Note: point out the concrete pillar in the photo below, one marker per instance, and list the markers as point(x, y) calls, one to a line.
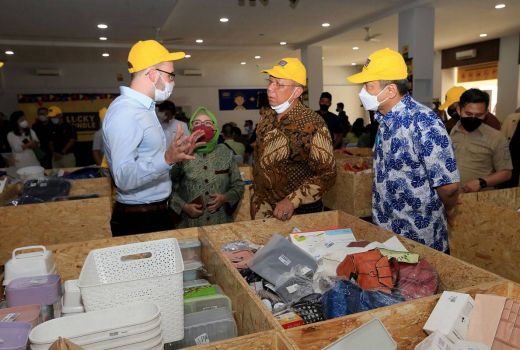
point(416, 32)
point(507, 85)
point(312, 59)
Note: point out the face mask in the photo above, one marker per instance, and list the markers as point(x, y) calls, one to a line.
point(470, 123)
point(55, 121)
point(452, 112)
point(324, 108)
point(248, 129)
point(24, 124)
point(42, 117)
point(370, 102)
point(162, 95)
point(161, 116)
point(284, 106)
point(209, 132)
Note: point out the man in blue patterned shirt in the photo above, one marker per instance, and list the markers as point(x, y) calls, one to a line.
point(416, 179)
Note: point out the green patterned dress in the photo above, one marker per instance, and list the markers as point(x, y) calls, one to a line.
point(214, 172)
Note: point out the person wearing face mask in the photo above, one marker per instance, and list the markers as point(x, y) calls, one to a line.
point(138, 156)
point(294, 159)
point(206, 190)
point(63, 139)
point(166, 113)
point(23, 141)
point(43, 129)
point(333, 122)
point(450, 106)
point(482, 152)
point(416, 180)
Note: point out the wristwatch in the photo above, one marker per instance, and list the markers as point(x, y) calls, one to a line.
point(483, 183)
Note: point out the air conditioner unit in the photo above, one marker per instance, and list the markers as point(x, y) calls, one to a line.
point(192, 72)
point(466, 54)
point(48, 72)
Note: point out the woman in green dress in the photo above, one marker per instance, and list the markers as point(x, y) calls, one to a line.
point(208, 188)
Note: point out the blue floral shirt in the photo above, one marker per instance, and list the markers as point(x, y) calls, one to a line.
point(413, 156)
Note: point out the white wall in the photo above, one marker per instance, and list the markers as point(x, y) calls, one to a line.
point(335, 82)
point(437, 76)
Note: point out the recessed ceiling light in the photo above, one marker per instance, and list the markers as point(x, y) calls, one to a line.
point(105, 54)
point(258, 57)
point(325, 24)
point(500, 6)
point(354, 63)
point(102, 26)
point(224, 20)
point(483, 35)
point(283, 43)
point(187, 56)
point(103, 38)
point(355, 48)
point(9, 52)
point(199, 41)
point(242, 63)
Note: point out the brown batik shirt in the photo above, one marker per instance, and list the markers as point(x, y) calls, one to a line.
point(294, 159)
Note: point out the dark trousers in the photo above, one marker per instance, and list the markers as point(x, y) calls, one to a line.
point(315, 207)
point(129, 219)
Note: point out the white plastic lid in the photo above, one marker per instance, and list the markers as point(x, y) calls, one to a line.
point(189, 243)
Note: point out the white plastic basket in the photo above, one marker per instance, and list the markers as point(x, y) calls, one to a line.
point(135, 273)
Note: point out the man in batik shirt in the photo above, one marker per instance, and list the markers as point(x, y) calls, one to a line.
point(416, 179)
point(294, 160)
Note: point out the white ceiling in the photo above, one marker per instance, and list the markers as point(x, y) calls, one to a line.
point(63, 31)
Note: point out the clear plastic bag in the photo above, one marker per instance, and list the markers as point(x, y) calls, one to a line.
point(295, 284)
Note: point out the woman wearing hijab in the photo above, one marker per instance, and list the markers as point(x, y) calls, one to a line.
point(23, 141)
point(207, 189)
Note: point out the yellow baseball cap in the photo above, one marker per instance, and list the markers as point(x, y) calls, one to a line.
point(289, 68)
point(147, 53)
point(1, 64)
point(384, 64)
point(102, 113)
point(54, 111)
point(452, 95)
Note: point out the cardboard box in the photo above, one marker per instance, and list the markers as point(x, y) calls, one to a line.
point(451, 316)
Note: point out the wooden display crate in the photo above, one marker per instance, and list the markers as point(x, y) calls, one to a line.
point(270, 340)
point(403, 321)
point(506, 198)
point(52, 223)
point(454, 274)
point(102, 186)
point(70, 257)
point(487, 236)
point(242, 213)
point(352, 192)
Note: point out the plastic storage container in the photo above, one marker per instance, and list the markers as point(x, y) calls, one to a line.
point(190, 249)
point(279, 256)
point(207, 326)
point(25, 313)
point(14, 335)
point(71, 301)
point(37, 263)
point(208, 302)
point(30, 172)
point(135, 273)
point(196, 283)
point(119, 327)
point(42, 290)
point(370, 336)
point(192, 271)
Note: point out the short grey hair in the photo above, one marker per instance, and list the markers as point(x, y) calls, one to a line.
point(402, 85)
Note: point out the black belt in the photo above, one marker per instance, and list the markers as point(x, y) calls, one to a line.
point(141, 208)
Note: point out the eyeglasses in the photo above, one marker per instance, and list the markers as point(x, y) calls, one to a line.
point(171, 75)
point(206, 123)
point(276, 84)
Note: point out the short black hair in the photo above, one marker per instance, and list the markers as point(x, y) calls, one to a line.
point(474, 96)
point(402, 85)
point(326, 94)
point(340, 104)
point(167, 106)
point(227, 130)
point(13, 120)
point(249, 121)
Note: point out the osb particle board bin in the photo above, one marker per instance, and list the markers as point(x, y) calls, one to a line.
point(71, 256)
point(270, 340)
point(352, 192)
point(242, 212)
point(403, 321)
point(487, 236)
point(53, 223)
point(454, 273)
point(101, 186)
point(506, 198)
